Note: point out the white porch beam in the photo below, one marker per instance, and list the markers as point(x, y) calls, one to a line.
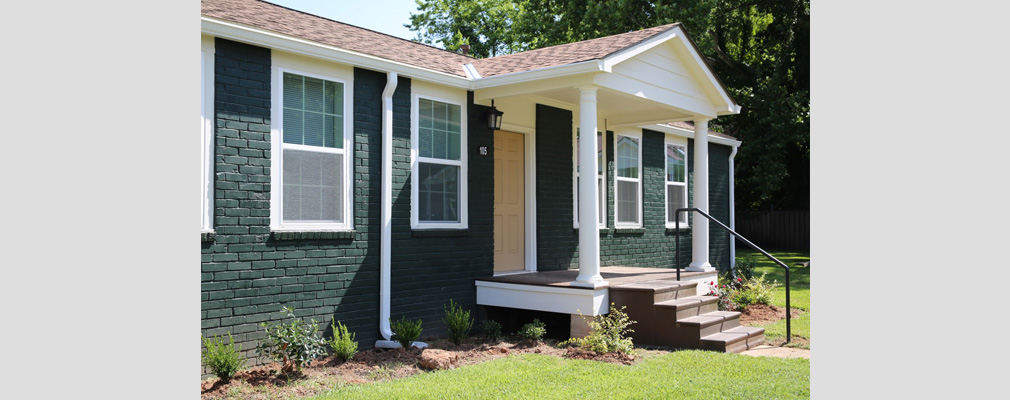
point(699, 224)
point(589, 233)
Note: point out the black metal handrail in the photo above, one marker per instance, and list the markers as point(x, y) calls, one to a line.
point(789, 334)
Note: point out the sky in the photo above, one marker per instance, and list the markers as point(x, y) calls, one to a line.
point(386, 16)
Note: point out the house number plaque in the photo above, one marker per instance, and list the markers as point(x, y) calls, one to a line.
point(482, 150)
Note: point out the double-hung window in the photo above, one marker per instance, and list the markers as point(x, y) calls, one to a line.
point(600, 182)
point(628, 180)
point(312, 154)
point(439, 168)
point(676, 183)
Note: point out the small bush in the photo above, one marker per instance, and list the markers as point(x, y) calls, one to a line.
point(754, 291)
point(458, 322)
point(293, 344)
point(222, 359)
point(343, 343)
point(405, 332)
point(492, 329)
point(607, 333)
point(533, 331)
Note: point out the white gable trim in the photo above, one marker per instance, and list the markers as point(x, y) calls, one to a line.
point(678, 34)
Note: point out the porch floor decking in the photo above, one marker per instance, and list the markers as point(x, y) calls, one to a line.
point(613, 275)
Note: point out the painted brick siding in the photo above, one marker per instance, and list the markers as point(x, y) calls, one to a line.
point(431, 267)
point(557, 243)
point(247, 274)
point(653, 245)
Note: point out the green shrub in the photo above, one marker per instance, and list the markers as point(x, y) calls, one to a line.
point(343, 343)
point(492, 329)
point(744, 268)
point(222, 359)
point(405, 332)
point(754, 291)
point(293, 343)
point(534, 330)
point(458, 322)
point(607, 333)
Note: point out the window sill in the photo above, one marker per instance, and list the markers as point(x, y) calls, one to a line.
point(307, 234)
point(629, 231)
point(672, 229)
point(423, 233)
point(604, 231)
point(207, 236)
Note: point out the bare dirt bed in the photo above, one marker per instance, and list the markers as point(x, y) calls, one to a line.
point(761, 314)
point(377, 365)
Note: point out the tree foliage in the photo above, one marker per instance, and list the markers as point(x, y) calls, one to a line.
point(759, 48)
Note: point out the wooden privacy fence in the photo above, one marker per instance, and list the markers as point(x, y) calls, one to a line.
point(784, 230)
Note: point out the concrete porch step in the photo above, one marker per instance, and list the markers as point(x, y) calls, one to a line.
point(734, 340)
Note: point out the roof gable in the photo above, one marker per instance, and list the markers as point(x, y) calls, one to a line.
point(593, 49)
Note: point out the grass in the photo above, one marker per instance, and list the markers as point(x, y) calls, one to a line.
point(688, 374)
point(799, 294)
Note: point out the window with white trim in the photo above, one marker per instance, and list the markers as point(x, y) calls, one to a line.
point(601, 186)
point(206, 137)
point(311, 157)
point(439, 167)
point(676, 183)
point(628, 181)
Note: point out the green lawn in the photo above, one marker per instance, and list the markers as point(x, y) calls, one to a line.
point(690, 374)
point(799, 294)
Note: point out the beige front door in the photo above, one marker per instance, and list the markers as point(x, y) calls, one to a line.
point(509, 202)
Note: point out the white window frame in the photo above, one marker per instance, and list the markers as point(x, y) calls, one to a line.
point(672, 140)
point(207, 135)
point(601, 180)
point(416, 159)
point(277, 149)
point(637, 135)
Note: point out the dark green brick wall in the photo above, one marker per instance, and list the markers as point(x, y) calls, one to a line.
point(248, 274)
point(653, 245)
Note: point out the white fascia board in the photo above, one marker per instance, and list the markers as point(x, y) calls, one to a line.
point(539, 74)
point(274, 40)
point(673, 130)
point(563, 300)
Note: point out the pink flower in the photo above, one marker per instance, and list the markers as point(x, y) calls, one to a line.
point(739, 279)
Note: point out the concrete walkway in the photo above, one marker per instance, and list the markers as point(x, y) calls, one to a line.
point(782, 352)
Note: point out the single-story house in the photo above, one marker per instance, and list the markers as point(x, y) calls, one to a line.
point(355, 176)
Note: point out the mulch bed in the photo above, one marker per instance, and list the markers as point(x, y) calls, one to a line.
point(761, 314)
point(377, 365)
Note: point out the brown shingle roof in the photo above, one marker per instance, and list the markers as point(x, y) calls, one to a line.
point(563, 54)
point(283, 20)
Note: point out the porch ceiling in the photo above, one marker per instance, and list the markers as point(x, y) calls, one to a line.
point(618, 107)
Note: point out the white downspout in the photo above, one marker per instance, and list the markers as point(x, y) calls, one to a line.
point(385, 254)
point(732, 210)
point(385, 241)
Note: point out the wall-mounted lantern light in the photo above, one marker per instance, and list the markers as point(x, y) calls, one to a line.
point(494, 117)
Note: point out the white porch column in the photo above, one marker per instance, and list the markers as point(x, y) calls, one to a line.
point(589, 234)
point(699, 227)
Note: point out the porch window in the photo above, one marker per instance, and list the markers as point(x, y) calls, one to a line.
point(312, 157)
point(676, 183)
point(600, 182)
point(439, 168)
point(628, 185)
